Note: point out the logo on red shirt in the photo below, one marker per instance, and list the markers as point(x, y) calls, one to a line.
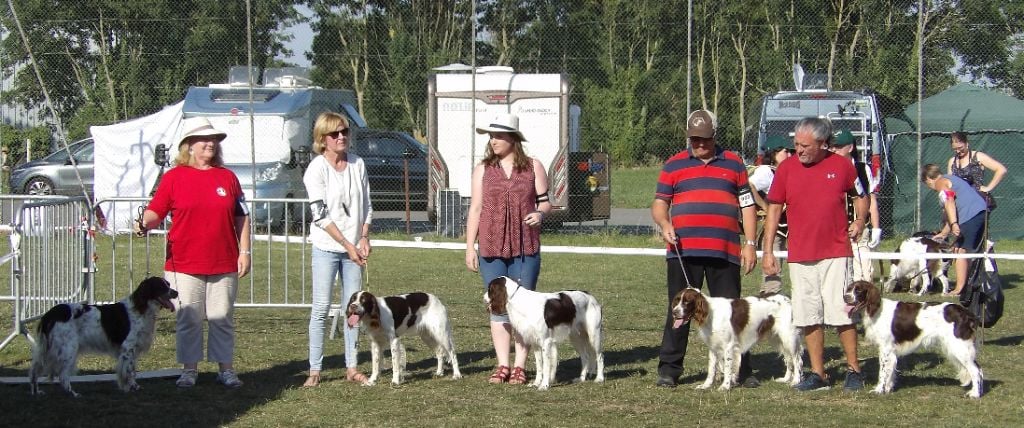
point(221, 192)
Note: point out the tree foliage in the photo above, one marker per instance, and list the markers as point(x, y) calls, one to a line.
point(106, 60)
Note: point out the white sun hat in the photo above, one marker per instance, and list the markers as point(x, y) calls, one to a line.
point(503, 123)
point(199, 126)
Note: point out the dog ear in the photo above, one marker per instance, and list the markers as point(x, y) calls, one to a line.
point(369, 303)
point(497, 294)
point(149, 289)
point(873, 298)
point(700, 308)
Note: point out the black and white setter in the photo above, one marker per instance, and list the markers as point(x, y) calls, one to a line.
point(386, 319)
point(915, 270)
point(731, 327)
point(543, 320)
point(122, 330)
point(899, 328)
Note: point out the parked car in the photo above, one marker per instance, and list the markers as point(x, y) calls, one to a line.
point(54, 174)
point(384, 153)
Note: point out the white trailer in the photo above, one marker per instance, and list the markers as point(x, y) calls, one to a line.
point(579, 182)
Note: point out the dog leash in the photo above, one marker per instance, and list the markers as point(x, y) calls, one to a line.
point(682, 267)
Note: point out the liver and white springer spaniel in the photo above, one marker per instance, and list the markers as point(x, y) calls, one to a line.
point(386, 319)
point(917, 271)
point(545, 319)
point(731, 327)
point(899, 328)
point(122, 330)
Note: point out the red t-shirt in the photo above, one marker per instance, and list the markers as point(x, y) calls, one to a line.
point(203, 205)
point(815, 199)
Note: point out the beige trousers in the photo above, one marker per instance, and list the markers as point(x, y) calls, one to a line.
point(208, 298)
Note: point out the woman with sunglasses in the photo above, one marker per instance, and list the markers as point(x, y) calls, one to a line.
point(339, 194)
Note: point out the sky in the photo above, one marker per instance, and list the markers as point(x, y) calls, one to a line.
point(302, 42)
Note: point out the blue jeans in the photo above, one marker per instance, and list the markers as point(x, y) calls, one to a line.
point(523, 270)
point(326, 266)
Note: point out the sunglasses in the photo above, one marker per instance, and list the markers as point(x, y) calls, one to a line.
point(335, 134)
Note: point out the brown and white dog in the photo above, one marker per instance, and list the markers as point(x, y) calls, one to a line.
point(122, 330)
point(915, 270)
point(899, 328)
point(545, 319)
point(386, 319)
point(731, 327)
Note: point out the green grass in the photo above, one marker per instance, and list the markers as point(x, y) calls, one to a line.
point(634, 187)
point(272, 344)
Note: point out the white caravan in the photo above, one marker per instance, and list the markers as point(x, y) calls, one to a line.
point(579, 183)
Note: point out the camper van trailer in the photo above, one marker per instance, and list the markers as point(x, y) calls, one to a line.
point(284, 108)
point(579, 182)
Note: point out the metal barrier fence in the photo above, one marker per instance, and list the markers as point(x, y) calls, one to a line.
point(50, 255)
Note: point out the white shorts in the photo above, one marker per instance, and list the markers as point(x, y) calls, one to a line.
point(818, 289)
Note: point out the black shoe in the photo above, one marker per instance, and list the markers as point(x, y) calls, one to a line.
point(750, 382)
point(666, 381)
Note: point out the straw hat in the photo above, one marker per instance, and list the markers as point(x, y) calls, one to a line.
point(199, 126)
point(503, 123)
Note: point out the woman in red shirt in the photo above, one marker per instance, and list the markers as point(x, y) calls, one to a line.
point(208, 248)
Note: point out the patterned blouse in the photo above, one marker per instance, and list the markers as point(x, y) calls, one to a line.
point(973, 173)
point(506, 202)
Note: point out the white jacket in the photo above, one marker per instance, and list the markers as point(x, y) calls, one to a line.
point(345, 196)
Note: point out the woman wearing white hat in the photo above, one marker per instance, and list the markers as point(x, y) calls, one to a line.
point(208, 248)
point(507, 208)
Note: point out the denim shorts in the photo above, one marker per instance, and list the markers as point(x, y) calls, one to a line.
point(524, 270)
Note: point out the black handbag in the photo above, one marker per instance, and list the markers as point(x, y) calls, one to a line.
point(983, 294)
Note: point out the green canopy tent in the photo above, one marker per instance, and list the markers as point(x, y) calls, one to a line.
point(994, 123)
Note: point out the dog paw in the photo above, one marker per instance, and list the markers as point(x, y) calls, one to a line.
point(543, 387)
point(702, 386)
point(724, 387)
point(369, 382)
point(456, 375)
point(599, 379)
point(132, 387)
point(973, 394)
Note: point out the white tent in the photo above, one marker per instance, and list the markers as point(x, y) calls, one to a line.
point(124, 162)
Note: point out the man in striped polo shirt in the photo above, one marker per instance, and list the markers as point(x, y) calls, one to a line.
point(701, 192)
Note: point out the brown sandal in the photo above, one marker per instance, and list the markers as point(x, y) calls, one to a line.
point(312, 381)
point(500, 375)
point(518, 376)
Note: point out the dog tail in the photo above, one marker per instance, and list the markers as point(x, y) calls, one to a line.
point(56, 314)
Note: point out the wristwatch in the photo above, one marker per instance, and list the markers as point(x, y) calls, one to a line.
point(749, 242)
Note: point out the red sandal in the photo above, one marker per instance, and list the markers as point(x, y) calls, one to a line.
point(500, 375)
point(518, 376)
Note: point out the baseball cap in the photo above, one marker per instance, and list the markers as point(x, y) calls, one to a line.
point(842, 138)
point(702, 124)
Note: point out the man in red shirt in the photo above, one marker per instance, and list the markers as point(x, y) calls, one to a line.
point(813, 186)
point(701, 192)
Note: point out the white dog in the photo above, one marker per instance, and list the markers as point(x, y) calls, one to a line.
point(545, 319)
point(122, 330)
point(386, 319)
point(731, 327)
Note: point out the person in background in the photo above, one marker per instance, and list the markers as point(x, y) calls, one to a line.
point(813, 186)
point(777, 149)
point(843, 144)
point(964, 212)
point(506, 211)
point(339, 194)
point(970, 165)
point(208, 248)
point(700, 196)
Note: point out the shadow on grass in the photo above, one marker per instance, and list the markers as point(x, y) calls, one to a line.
point(1004, 341)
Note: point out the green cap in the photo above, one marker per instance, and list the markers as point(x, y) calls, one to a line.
point(777, 142)
point(842, 138)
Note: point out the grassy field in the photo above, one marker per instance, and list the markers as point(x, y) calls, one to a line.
point(271, 358)
point(634, 187)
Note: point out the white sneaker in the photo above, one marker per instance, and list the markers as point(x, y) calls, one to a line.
point(187, 378)
point(229, 379)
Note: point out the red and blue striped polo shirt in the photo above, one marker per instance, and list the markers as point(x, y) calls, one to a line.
point(704, 203)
